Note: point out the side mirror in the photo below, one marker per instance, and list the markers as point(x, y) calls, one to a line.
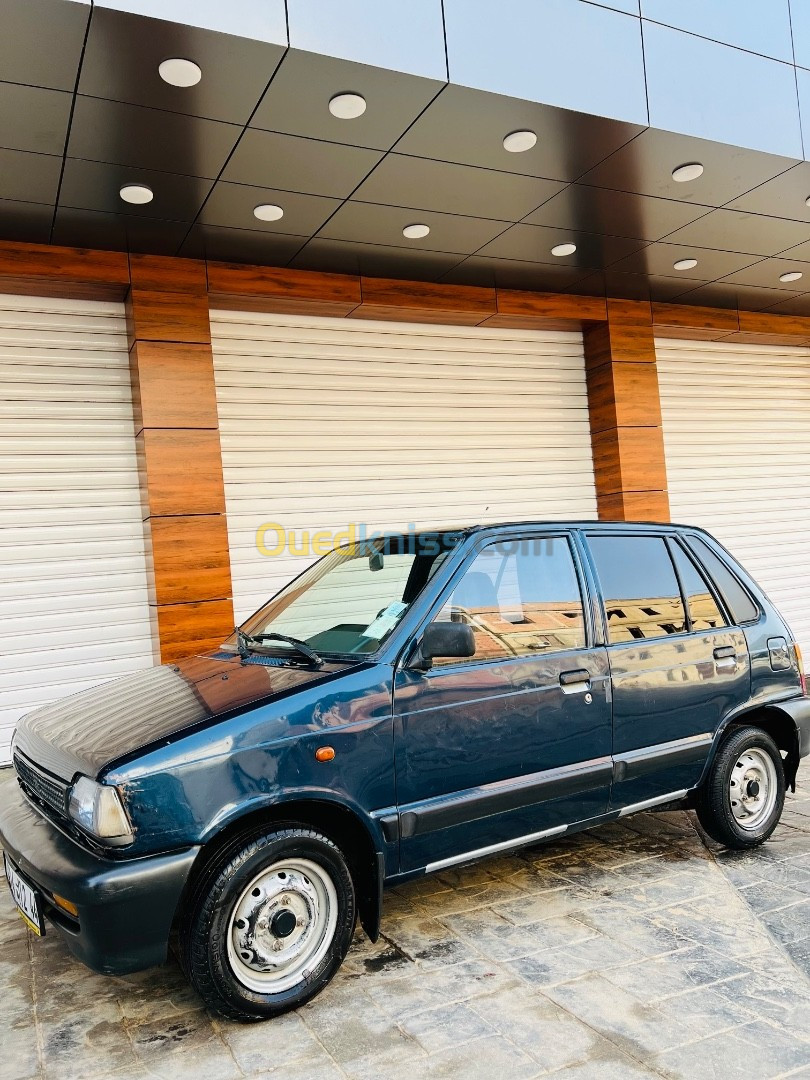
point(444, 639)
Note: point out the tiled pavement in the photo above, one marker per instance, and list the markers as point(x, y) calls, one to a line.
point(634, 950)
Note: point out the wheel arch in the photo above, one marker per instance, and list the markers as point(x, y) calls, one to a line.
point(336, 821)
point(778, 723)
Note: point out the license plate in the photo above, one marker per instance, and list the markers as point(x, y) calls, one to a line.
point(27, 899)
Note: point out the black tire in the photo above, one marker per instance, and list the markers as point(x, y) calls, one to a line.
point(206, 921)
point(715, 796)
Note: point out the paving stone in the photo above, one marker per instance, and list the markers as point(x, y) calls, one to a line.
point(501, 941)
point(549, 1033)
point(621, 1018)
point(705, 1012)
point(554, 966)
point(479, 1060)
point(546, 904)
point(663, 977)
point(770, 896)
point(441, 986)
point(790, 924)
point(447, 1026)
point(292, 1042)
point(757, 1052)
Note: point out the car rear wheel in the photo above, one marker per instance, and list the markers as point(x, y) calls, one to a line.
point(269, 924)
point(742, 798)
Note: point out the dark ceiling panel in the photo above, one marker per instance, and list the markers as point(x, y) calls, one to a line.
point(29, 177)
point(297, 101)
point(117, 232)
point(799, 253)
point(765, 275)
point(231, 205)
point(645, 167)
point(786, 195)
point(368, 223)
point(733, 230)
point(241, 245)
point(94, 185)
point(263, 20)
point(339, 257)
point(533, 243)
point(455, 189)
point(513, 274)
point(630, 286)
point(266, 159)
point(149, 138)
point(721, 294)
point(124, 51)
point(468, 126)
point(28, 222)
point(657, 260)
point(34, 119)
point(797, 305)
point(41, 41)
point(601, 210)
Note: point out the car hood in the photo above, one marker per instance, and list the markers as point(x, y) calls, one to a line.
point(87, 731)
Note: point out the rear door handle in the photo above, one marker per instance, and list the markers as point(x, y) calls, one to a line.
point(724, 652)
point(578, 680)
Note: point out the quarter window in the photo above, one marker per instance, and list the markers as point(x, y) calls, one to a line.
point(704, 614)
point(639, 586)
point(742, 607)
point(521, 598)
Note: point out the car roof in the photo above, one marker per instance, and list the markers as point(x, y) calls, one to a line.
point(583, 523)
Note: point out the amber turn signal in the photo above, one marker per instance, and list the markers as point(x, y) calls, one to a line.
point(65, 905)
point(324, 753)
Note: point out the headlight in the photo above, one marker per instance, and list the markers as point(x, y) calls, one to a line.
point(97, 808)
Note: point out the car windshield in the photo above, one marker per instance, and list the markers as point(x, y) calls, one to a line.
point(349, 601)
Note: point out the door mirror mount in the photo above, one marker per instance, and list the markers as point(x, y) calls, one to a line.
point(442, 640)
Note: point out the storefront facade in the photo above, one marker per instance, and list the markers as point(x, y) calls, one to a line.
point(186, 378)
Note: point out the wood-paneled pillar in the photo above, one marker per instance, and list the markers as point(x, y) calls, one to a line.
point(625, 415)
point(177, 431)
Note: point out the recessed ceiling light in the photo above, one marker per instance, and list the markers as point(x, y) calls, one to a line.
point(564, 249)
point(136, 193)
point(415, 232)
point(179, 72)
point(347, 106)
point(684, 173)
point(792, 275)
point(684, 264)
point(268, 212)
point(517, 142)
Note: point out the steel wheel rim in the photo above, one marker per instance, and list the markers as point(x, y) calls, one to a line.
point(282, 926)
point(752, 788)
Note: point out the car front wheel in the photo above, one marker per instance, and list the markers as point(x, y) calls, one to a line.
point(741, 800)
point(269, 924)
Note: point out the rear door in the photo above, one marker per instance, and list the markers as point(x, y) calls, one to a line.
point(677, 666)
point(515, 740)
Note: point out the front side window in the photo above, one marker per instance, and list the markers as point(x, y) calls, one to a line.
point(521, 598)
point(704, 614)
point(641, 592)
point(350, 600)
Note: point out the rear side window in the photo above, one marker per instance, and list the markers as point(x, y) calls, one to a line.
point(739, 602)
point(704, 613)
point(639, 586)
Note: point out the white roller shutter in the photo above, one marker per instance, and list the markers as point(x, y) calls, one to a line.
point(329, 421)
point(737, 438)
point(73, 586)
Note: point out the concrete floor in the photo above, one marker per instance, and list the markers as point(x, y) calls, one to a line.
point(631, 951)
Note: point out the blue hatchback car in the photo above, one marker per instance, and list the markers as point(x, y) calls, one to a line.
point(406, 704)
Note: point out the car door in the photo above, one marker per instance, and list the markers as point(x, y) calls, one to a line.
point(677, 666)
point(514, 741)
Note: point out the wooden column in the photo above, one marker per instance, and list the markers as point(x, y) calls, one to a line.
point(625, 415)
point(177, 431)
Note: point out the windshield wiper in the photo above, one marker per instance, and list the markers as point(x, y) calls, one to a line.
point(243, 642)
point(299, 646)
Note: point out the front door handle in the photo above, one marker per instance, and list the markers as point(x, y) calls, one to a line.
point(725, 652)
point(578, 680)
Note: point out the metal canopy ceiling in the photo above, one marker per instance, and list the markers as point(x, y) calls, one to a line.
point(83, 111)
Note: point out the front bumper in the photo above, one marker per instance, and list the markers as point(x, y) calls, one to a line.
point(125, 908)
